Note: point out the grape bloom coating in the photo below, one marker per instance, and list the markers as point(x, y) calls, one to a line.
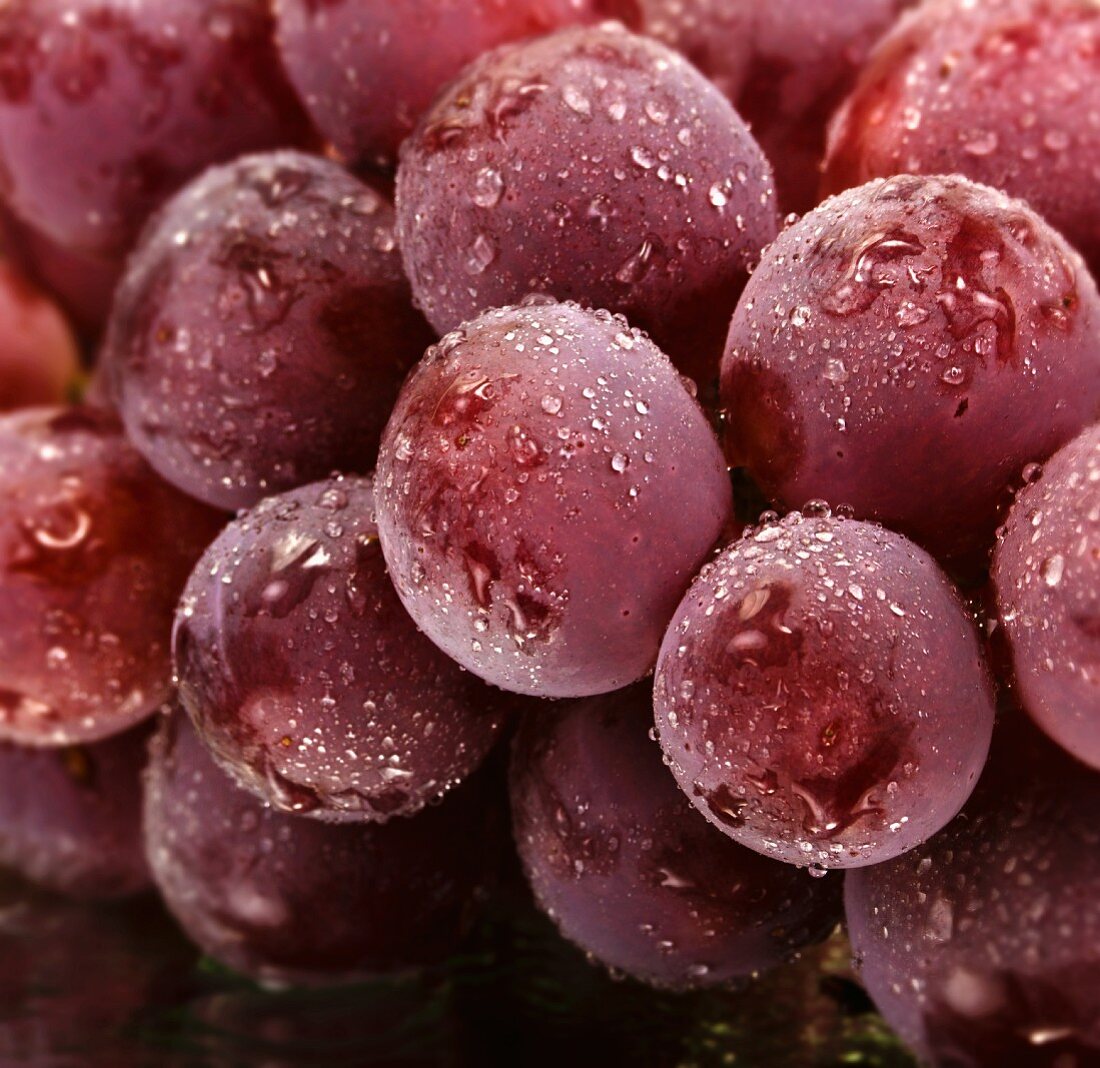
point(546, 488)
point(820, 694)
point(589, 165)
point(907, 349)
point(306, 677)
point(1047, 574)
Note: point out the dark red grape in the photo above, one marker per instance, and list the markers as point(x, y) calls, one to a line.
point(94, 551)
point(308, 679)
point(631, 872)
point(546, 489)
point(263, 328)
point(70, 819)
point(366, 71)
point(784, 64)
point(1006, 92)
point(38, 357)
point(288, 899)
point(821, 696)
point(1047, 573)
point(907, 349)
point(107, 107)
point(589, 165)
point(982, 947)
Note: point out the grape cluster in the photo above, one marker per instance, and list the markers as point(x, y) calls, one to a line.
point(415, 415)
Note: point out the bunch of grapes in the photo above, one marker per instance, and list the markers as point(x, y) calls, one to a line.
point(420, 437)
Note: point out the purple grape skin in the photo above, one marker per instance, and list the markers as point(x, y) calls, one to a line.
point(94, 551)
point(588, 165)
point(307, 678)
point(107, 107)
point(262, 329)
point(982, 947)
point(630, 872)
point(532, 498)
point(1006, 92)
point(1046, 571)
point(70, 819)
point(292, 900)
point(861, 371)
point(820, 694)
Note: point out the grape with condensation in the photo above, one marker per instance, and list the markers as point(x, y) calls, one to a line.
point(982, 947)
point(107, 107)
point(785, 65)
point(366, 71)
point(631, 872)
point(70, 818)
point(907, 349)
point(546, 488)
point(308, 679)
point(39, 363)
point(288, 899)
point(94, 551)
point(1006, 92)
point(820, 694)
point(589, 165)
point(1046, 570)
point(263, 328)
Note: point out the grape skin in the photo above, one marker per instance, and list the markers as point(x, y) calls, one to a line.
point(589, 165)
point(546, 488)
point(291, 900)
point(1046, 571)
point(820, 694)
point(307, 678)
point(630, 871)
point(94, 551)
point(907, 349)
point(262, 329)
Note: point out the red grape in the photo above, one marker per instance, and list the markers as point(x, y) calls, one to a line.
point(982, 947)
point(262, 329)
point(546, 489)
point(821, 696)
point(907, 349)
point(308, 679)
point(70, 819)
point(107, 106)
point(631, 872)
point(1047, 573)
point(784, 64)
point(38, 357)
point(366, 71)
point(1006, 92)
point(94, 550)
point(590, 165)
point(288, 899)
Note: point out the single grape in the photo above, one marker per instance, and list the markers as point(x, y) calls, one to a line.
point(263, 329)
point(785, 65)
point(907, 349)
point(107, 107)
point(287, 899)
point(366, 71)
point(1006, 92)
point(589, 165)
point(821, 696)
point(94, 551)
point(1047, 574)
point(982, 947)
point(631, 872)
point(70, 819)
point(308, 679)
point(39, 363)
point(546, 489)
